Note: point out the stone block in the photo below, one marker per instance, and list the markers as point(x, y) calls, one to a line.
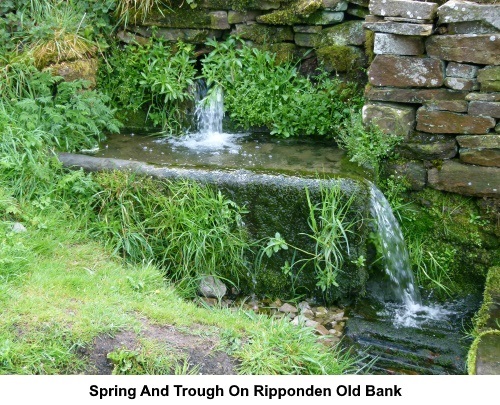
point(403, 8)
point(463, 11)
point(392, 27)
point(261, 33)
point(461, 70)
point(341, 58)
point(489, 78)
point(413, 172)
point(306, 40)
point(391, 44)
point(237, 17)
point(363, 3)
point(334, 5)
point(473, 27)
point(458, 83)
point(188, 35)
point(406, 71)
point(292, 13)
point(183, 18)
point(424, 147)
point(445, 122)
point(357, 11)
point(481, 157)
point(325, 18)
point(481, 49)
point(417, 96)
point(483, 97)
point(264, 5)
point(460, 106)
point(390, 118)
point(307, 29)
point(485, 108)
point(129, 38)
point(466, 179)
point(347, 33)
point(479, 141)
point(83, 69)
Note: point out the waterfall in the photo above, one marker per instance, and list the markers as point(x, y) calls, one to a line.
point(409, 310)
point(209, 113)
point(396, 260)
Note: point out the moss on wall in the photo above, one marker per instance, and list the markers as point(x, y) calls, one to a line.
point(341, 58)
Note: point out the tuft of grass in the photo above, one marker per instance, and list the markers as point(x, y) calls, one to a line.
point(135, 11)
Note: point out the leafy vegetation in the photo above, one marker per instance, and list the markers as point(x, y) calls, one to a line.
point(266, 94)
point(156, 76)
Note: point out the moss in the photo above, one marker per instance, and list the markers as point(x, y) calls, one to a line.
point(85, 69)
point(472, 354)
point(369, 45)
point(294, 13)
point(185, 18)
point(263, 34)
point(340, 58)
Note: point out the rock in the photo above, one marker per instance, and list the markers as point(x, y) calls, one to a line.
point(487, 354)
point(325, 18)
point(303, 305)
point(307, 313)
point(429, 147)
point(413, 95)
point(487, 108)
point(406, 71)
point(261, 33)
point(391, 44)
point(444, 122)
point(458, 83)
point(302, 320)
point(392, 27)
point(340, 58)
point(84, 69)
point(481, 157)
point(363, 3)
point(390, 118)
point(334, 5)
point(444, 105)
point(320, 312)
point(129, 38)
point(461, 70)
point(339, 316)
point(17, 227)
point(481, 49)
point(463, 11)
point(287, 308)
point(479, 141)
point(193, 36)
point(497, 128)
point(307, 29)
point(348, 33)
point(473, 27)
point(403, 8)
point(413, 172)
point(321, 330)
point(455, 177)
point(211, 302)
point(306, 40)
point(212, 287)
point(483, 97)
point(237, 17)
point(356, 11)
point(489, 78)
point(293, 13)
point(187, 18)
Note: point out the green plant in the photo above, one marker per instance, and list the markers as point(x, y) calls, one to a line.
point(135, 11)
point(366, 146)
point(260, 92)
point(155, 76)
point(188, 229)
point(333, 225)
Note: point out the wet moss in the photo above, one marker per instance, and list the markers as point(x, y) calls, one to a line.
point(369, 46)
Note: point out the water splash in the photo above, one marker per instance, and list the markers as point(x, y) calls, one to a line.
point(209, 114)
point(408, 310)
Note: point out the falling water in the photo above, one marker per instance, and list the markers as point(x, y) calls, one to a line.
point(408, 310)
point(209, 114)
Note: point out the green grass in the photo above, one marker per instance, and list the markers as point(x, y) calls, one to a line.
point(61, 290)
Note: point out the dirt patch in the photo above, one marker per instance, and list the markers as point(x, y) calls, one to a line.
point(201, 351)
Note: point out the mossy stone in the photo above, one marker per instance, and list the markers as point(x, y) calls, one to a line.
point(341, 58)
point(347, 33)
point(264, 34)
point(294, 13)
point(285, 52)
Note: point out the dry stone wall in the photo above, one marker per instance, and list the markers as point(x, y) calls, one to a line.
point(331, 29)
point(435, 80)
